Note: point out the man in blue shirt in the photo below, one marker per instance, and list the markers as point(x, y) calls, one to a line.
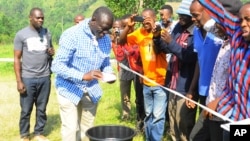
point(207, 46)
point(81, 60)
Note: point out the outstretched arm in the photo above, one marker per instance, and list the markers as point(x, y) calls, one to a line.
point(128, 27)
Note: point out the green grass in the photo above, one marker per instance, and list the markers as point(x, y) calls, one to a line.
point(108, 112)
point(6, 51)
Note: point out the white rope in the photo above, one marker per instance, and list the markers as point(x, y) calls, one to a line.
point(178, 94)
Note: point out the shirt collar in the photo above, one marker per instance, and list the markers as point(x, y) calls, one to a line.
point(190, 29)
point(86, 29)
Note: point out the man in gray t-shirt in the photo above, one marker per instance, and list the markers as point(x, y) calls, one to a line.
point(33, 51)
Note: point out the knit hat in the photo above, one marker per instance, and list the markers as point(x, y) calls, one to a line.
point(232, 6)
point(184, 7)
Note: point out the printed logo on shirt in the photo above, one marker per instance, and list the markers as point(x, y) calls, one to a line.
point(148, 50)
point(36, 44)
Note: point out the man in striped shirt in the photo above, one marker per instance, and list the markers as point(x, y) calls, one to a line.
point(234, 102)
point(81, 59)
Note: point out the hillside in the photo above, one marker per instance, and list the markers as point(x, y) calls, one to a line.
point(59, 15)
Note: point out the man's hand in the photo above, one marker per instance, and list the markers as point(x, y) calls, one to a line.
point(190, 104)
point(156, 31)
point(94, 74)
point(131, 22)
point(149, 21)
point(204, 113)
point(166, 37)
point(212, 105)
point(51, 51)
point(21, 87)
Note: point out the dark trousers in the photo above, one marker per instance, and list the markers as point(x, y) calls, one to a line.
point(202, 101)
point(206, 129)
point(125, 90)
point(216, 132)
point(37, 92)
point(200, 130)
point(139, 101)
point(226, 135)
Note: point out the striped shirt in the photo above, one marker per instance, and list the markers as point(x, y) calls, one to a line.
point(79, 53)
point(235, 99)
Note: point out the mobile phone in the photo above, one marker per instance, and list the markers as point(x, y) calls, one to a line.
point(138, 19)
point(158, 27)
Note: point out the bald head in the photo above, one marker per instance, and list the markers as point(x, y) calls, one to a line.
point(78, 18)
point(101, 21)
point(244, 15)
point(199, 14)
point(103, 14)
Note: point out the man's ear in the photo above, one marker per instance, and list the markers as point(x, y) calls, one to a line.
point(93, 18)
point(30, 17)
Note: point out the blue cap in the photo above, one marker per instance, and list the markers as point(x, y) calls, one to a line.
point(184, 7)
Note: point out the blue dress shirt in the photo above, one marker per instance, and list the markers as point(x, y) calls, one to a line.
point(78, 53)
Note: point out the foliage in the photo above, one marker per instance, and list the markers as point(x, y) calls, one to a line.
point(152, 4)
point(244, 1)
point(59, 15)
point(6, 29)
point(122, 7)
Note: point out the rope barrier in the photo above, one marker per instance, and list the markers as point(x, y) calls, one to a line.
point(178, 94)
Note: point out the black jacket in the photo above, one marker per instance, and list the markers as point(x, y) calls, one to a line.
point(187, 58)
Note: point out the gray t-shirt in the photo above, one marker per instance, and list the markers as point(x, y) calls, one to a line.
point(35, 59)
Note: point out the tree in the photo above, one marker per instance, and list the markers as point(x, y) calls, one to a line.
point(58, 15)
point(152, 4)
point(122, 7)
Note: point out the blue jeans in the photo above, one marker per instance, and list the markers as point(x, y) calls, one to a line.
point(155, 103)
point(37, 92)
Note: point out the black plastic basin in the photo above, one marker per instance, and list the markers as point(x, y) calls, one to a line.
point(110, 133)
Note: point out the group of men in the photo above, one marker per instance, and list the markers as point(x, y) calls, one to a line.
point(204, 55)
